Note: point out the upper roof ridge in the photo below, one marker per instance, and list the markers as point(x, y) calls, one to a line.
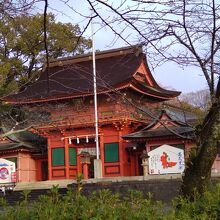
point(136, 49)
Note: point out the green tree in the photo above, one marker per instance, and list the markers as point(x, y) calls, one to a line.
point(22, 55)
point(22, 51)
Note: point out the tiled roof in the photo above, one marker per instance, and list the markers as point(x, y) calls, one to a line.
point(15, 146)
point(155, 91)
point(181, 115)
point(179, 127)
point(159, 132)
point(72, 77)
point(24, 140)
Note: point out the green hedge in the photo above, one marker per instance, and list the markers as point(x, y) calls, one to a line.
point(105, 205)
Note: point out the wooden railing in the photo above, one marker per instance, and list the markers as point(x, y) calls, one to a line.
point(103, 117)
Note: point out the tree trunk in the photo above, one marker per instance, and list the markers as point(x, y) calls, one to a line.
point(197, 176)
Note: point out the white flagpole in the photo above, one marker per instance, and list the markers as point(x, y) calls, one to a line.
point(95, 93)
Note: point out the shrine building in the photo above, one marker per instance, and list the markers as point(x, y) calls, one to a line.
point(131, 117)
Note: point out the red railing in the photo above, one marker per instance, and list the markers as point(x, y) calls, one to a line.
point(103, 117)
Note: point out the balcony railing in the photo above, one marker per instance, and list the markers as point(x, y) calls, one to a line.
point(104, 117)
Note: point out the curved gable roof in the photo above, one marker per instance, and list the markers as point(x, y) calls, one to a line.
point(162, 126)
point(72, 77)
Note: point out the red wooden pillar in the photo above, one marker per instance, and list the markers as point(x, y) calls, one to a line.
point(85, 170)
point(136, 165)
point(132, 165)
point(79, 165)
point(39, 170)
point(49, 159)
point(101, 142)
point(121, 153)
point(67, 158)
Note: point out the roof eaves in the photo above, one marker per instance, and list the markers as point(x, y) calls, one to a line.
point(158, 133)
point(156, 90)
point(149, 94)
point(67, 96)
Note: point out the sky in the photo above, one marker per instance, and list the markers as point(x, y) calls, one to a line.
point(169, 75)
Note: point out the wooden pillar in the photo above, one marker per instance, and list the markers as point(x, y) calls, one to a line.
point(188, 145)
point(136, 165)
point(85, 171)
point(19, 168)
point(67, 158)
point(79, 165)
point(102, 157)
point(147, 147)
point(121, 153)
point(132, 165)
point(49, 159)
point(38, 170)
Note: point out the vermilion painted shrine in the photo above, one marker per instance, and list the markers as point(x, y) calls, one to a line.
point(131, 118)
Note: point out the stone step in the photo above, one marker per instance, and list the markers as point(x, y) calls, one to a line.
point(63, 183)
point(42, 184)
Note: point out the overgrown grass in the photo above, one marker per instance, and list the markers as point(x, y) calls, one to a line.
point(105, 205)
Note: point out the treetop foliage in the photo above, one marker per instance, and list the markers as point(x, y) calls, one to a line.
point(22, 51)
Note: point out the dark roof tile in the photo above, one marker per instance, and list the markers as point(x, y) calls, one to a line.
point(77, 78)
point(72, 77)
point(159, 132)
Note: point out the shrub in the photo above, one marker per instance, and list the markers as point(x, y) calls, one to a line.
point(105, 205)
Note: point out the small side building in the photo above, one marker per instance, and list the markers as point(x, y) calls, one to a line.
point(29, 153)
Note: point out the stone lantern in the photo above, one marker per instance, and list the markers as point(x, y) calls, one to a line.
point(145, 162)
point(85, 161)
